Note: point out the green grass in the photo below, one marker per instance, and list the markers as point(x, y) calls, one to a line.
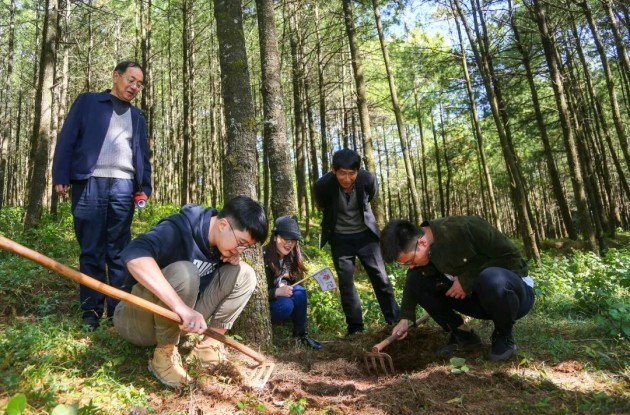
point(47, 357)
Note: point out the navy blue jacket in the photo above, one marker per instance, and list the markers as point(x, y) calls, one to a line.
point(179, 237)
point(83, 133)
point(326, 195)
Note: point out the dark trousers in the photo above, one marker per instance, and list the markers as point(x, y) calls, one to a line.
point(345, 249)
point(294, 307)
point(102, 209)
point(499, 295)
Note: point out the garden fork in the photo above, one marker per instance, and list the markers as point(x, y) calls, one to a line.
point(380, 362)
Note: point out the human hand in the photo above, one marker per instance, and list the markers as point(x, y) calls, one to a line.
point(234, 259)
point(62, 189)
point(456, 290)
point(284, 291)
point(192, 321)
point(401, 329)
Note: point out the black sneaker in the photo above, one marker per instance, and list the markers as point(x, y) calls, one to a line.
point(90, 321)
point(309, 341)
point(460, 341)
point(503, 346)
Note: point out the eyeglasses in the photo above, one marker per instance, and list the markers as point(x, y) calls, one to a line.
point(239, 246)
point(132, 81)
point(410, 262)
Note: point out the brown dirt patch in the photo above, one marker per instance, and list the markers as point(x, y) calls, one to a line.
point(334, 380)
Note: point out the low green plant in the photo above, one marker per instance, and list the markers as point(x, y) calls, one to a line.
point(296, 407)
point(458, 365)
point(249, 404)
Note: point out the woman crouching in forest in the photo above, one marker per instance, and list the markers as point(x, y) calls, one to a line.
point(284, 266)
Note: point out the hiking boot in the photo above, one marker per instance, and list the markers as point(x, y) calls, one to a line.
point(460, 341)
point(166, 366)
point(309, 341)
point(207, 354)
point(90, 321)
point(503, 346)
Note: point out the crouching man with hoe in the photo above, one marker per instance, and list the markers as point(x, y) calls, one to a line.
point(460, 264)
point(190, 263)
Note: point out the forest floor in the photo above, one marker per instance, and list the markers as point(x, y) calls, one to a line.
point(335, 380)
point(568, 360)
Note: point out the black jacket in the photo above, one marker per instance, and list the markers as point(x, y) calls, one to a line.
point(179, 237)
point(326, 193)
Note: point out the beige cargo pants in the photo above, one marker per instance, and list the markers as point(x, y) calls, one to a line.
point(221, 302)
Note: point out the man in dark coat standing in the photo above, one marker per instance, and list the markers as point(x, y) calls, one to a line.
point(348, 224)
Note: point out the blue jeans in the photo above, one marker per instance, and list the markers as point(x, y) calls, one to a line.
point(102, 209)
point(294, 307)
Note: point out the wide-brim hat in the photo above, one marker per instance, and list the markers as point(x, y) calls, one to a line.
point(287, 227)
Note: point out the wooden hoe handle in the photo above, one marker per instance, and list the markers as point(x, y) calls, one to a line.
point(380, 346)
point(14, 247)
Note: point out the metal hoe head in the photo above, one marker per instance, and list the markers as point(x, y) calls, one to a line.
point(379, 363)
point(259, 375)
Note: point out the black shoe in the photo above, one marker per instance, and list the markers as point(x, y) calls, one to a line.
point(309, 341)
point(90, 321)
point(503, 346)
point(460, 341)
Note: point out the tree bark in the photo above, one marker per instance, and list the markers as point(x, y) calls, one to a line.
point(240, 160)
point(577, 180)
point(492, 202)
point(400, 124)
point(282, 199)
point(41, 139)
point(501, 120)
point(610, 83)
point(6, 119)
point(554, 176)
point(362, 105)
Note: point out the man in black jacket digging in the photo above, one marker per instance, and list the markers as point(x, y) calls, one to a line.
point(460, 264)
point(348, 224)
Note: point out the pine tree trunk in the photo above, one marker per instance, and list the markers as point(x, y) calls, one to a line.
point(402, 134)
point(323, 133)
point(6, 119)
point(544, 136)
point(577, 180)
point(497, 105)
point(610, 83)
point(492, 202)
point(240, 161)
point(282, 198)
point(298, 119)
point(362, 105)
point(41, 139)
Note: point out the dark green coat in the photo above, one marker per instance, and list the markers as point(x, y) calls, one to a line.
point(463, 246)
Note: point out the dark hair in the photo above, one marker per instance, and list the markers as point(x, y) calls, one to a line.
point(346, 159)
point(294, 259)
point(399, 236)
point(247, 215)
point(124, 65)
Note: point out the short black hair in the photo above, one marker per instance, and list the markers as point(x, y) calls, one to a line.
point(346, 159)
point(399, 236)
point(247, 215)
point(124, 65)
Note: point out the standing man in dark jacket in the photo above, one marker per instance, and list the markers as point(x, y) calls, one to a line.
point(460, 264)
point(190, 263)
point(102, 153)
point(348, 224)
